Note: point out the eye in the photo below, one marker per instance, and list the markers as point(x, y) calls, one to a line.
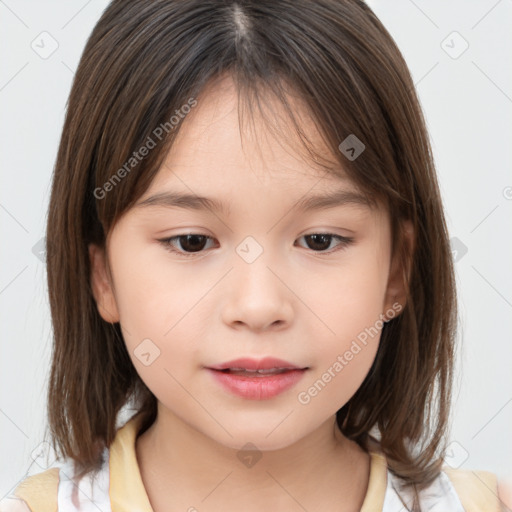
point(322, 241)
point(194, 243)
point(190, 243)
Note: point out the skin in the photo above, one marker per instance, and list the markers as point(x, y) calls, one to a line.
point(293, 302)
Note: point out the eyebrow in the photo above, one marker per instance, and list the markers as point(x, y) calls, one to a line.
point(187, 201)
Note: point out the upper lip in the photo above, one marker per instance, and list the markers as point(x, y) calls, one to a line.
point(248, 363)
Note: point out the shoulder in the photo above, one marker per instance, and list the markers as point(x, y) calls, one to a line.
point(477, 490)
point(36, 493)
point(456, 490)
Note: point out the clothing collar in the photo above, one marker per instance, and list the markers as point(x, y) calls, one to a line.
point(127, 492)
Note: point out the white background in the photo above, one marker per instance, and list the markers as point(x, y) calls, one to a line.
point(468, 106)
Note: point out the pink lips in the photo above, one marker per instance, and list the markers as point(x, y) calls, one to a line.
point(255, 387)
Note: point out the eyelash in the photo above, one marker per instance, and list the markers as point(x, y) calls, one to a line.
point(166, 242)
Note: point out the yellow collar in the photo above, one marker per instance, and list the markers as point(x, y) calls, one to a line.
point(127, 492)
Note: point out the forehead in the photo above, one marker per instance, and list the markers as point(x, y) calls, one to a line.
point(231, 127)
point(224, 145)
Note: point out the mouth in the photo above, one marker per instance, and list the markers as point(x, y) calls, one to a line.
point(257, 383)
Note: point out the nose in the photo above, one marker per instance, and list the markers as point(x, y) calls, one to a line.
point(257, 297)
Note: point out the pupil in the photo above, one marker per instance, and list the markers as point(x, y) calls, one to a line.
point(193, 246)
point(321, 237)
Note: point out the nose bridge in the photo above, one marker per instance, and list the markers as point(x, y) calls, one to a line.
point(258, 297)
point(254, 257)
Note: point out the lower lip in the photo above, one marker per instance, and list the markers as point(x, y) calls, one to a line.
point(258, 388)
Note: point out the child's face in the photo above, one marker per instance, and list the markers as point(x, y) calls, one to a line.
point(307, 300)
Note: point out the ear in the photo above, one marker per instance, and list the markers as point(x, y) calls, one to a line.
point(400, 270)
point(101, 285)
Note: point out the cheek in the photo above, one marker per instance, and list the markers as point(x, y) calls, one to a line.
point(349, 310)
point(348, 298)
point(158, 306)
point(344, 354)
point(147, 286)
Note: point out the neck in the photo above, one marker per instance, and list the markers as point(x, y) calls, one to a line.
point(181, 466)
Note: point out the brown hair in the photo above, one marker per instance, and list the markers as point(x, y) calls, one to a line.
point(142, 62)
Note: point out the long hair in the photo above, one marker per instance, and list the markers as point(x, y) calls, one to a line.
point(142, 63)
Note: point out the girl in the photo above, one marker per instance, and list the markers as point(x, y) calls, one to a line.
point(274, 300)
